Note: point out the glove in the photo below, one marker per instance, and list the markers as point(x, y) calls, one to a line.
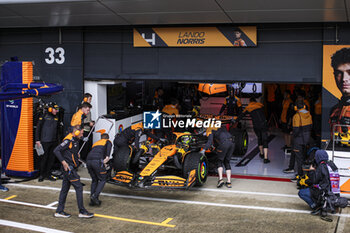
point(85, 139)
point(202, 152)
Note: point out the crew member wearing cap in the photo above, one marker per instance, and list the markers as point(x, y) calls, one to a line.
point(96, 165)
point(68, 154)
point(130, 135)
point(46, 136)
point(224, 152)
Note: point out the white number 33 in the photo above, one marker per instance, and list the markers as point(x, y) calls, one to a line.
point(51, 53)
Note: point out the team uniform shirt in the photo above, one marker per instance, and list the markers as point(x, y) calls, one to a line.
point(68, 151)
point(340, 114)
point(100, 150)
point(170, 110)
point(46, 130)
point(220, 136)
point(256, 111)
point(271, 93)
point(78, 119)
point(133, 134)
point(233, 104)
point(158, 102)
point(302, 125)
point(239, 43)
point(285, 110)
point(318, 107)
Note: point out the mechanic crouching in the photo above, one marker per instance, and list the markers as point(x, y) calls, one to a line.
point(130, 135)
point(67, 154)
point(318, 182)
point(224, 152)
point(96, 165)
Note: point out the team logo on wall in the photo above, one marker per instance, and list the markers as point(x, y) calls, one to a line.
point(196, 37)
point(151, 120)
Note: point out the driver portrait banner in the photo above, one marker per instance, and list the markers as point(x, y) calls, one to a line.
point(245, 36)
point(335, 89)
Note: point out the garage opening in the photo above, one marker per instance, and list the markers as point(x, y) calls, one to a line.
point(124, 102)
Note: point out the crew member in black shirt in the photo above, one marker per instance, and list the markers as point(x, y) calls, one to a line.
point(96, 165)
point(67, 154)
point(225, 148)
point(46, 135)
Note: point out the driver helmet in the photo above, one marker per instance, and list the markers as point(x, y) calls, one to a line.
point(186, 139)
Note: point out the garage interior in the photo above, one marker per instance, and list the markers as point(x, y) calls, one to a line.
point(128, 98)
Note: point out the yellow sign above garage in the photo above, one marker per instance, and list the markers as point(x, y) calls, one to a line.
point(244, 36)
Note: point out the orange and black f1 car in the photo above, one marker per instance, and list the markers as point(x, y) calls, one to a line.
point(175, 166)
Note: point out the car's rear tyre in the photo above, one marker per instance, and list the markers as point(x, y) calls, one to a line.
point(122, 159)
point(198, 162)
point(241, 141)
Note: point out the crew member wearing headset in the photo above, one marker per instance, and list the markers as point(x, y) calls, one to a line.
point(224, 152)
point(131, 135)
point(67, 154)
point(96, 165)
point(46, 136)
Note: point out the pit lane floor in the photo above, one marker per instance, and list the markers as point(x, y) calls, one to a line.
point(250, 206)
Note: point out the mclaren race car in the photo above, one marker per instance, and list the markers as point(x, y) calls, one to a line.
point(342, 138)
point(156, 165)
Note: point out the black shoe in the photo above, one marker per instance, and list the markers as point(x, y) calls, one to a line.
point(316, 211)
point(94, 201)
point(228, 185)
point(41, 179)
point(266, 160)
point(288, 170)
point(85, 214)
point(51, 178)
point(62, 214)
point(261, 156)
point(220, 183)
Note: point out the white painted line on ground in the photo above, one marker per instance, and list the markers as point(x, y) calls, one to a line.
point(285, 210)
point(163, 224)
point(27, 204)
point(242, 192)
point(29, 227)
point(232, 191)
point(52, 204)
point(245, 192)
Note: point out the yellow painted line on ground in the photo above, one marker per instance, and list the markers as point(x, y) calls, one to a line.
point(167, 220)
point(163, 224)
point(10, 197)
